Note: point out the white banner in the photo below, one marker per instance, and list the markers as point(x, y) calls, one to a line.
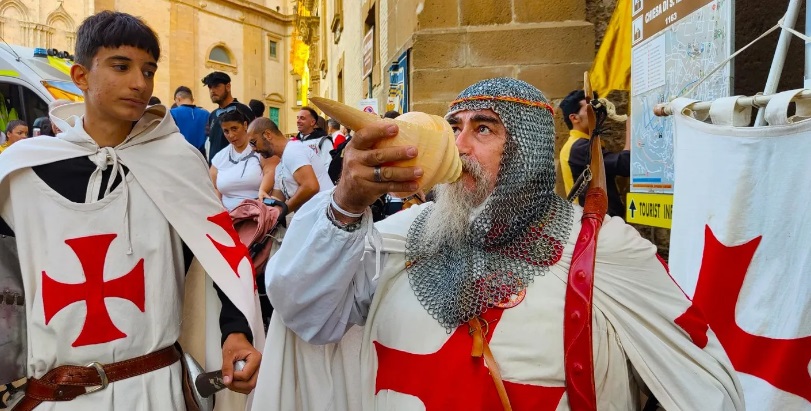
point(740, 242)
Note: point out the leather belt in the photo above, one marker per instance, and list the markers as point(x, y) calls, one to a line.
point(67, 382)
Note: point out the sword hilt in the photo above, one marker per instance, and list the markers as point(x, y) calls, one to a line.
point(209, 383)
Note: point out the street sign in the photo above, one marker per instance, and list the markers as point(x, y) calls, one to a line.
point(655, 210)
point(368, 52)
point(682, 42)
point(653, 16)
point(368, 105)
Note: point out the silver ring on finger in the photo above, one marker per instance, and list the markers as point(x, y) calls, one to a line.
point(378, 174)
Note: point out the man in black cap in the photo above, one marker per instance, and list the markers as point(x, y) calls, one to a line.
point(219, 88)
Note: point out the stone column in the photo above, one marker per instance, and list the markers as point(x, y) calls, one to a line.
point(183, 56)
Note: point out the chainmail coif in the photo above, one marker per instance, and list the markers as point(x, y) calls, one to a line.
point(522, 229)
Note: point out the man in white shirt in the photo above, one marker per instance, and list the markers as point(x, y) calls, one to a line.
point(299, 176)
point(314, 136)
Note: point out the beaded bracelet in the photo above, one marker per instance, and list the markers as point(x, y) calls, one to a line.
point(348, 227)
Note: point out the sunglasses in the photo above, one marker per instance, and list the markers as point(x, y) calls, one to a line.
point(224, 111)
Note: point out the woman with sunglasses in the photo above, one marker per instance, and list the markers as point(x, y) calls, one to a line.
point(238, 172)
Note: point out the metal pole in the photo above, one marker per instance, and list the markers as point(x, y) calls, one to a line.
point(665, 109)
point(807, 82)
point(780, 53)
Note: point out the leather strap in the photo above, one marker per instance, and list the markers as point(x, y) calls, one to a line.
point(577, 334)
point(482, 348)
point(67, 382)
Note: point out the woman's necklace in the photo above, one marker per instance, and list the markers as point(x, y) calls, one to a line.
point(241, 158)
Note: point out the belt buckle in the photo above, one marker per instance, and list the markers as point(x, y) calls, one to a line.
point(102, 376)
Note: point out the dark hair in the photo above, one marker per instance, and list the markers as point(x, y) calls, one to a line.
point(184, 92)
point(312, 113)
point(46, 128)
point(334, 123)
point(216, 77)
point(257, 107)
point(14, 124)
point(114, 29)
point(233, 115)
point(571, 105)
point(154, 100)
point(263, 123)
point(391, 114)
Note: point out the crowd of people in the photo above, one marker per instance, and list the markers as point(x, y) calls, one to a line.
point(469, 290)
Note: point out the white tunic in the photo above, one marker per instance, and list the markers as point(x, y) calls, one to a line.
point(409, 362)
point(87, 300)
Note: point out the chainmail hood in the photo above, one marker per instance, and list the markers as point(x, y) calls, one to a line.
point(520, 232)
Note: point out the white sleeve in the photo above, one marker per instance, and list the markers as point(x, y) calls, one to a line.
point(319, 281)
point(297, 157)
point(219, 158)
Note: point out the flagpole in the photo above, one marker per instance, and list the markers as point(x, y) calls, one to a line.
point(779, 59)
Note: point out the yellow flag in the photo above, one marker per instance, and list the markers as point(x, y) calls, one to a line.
point(611, 69)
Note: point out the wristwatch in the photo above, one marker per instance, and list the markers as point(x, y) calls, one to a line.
point(272, 202)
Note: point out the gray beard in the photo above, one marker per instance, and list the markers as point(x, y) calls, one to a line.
point(455, 208)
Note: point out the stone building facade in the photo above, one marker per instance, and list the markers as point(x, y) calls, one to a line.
point(248, 39)
point(450, 44)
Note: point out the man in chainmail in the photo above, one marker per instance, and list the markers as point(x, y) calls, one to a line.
point(463, 299)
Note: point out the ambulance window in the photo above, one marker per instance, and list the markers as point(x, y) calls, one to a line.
point(35, 107)
point(11, 107)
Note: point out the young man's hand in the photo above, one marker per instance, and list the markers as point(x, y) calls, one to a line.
point(237, 347)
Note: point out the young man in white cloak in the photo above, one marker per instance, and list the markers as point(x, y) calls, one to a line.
point(102, 215)
point(455, 291)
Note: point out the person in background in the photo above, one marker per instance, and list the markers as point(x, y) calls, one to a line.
point(334, 130)
point(16, 130)
point(219, 88)
point(46, 128)
point(574, 155)
point(237, 171)
point(299, 175)
point(190, 119)
point(153, 101)
point(257, 107)
point(391, 114)
point(313, 136)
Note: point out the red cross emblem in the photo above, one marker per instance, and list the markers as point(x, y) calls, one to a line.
point(451, 379)
point(98, 327)
point(781, 362)
point(233, 254)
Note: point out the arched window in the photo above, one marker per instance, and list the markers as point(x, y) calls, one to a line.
point(220, 55)
point(220, 58)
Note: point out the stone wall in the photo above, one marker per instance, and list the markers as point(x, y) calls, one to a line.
point(459, 42)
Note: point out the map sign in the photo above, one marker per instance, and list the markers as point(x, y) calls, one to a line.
point(667, 64)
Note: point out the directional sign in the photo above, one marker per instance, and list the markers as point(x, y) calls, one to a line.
point(650, 209)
